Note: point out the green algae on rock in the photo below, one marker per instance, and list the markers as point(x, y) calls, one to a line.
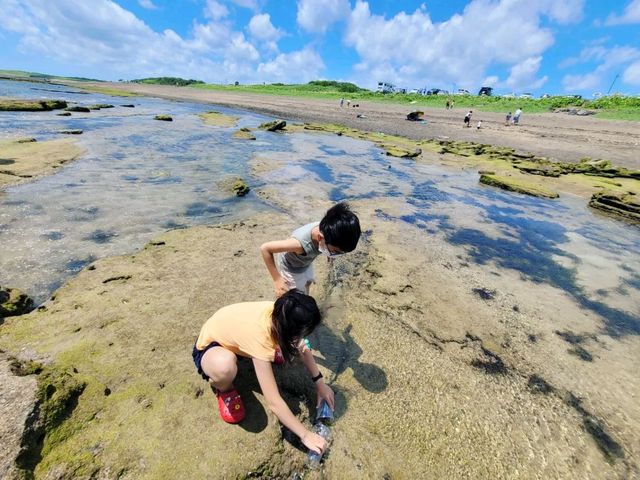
point(517, 185)
point(624, 205)
point(25, 105)
point(218, 119)
point(164, 118)
point(72, 131)
point(240, 188)
point(77, 108)
point(64, 114)
point(273, 126)
point(400, 152)
point(244, 134)
point(13, 302)
point(99, 106)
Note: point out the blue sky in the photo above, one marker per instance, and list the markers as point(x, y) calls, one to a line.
point(537, 46)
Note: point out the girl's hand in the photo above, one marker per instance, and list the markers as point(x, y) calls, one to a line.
point(325, 393)
point(281, 286)
point(314, 442)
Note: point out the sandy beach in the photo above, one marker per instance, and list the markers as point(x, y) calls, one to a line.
point(557, 136)
point(447, 360)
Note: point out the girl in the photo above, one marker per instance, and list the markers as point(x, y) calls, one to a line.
point(261, 331)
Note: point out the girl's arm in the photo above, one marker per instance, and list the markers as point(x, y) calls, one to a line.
point(278, 406)
point(279, 246)
point(322, 389)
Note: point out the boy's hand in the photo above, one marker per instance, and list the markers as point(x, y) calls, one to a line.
point(325, 393)
point(281, 286)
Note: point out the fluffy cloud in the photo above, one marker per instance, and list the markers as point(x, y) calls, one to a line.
point(630, 15)
point(631, 75)
point(215, 10)
point(148, 4)
point(412, 50)
point(261, 28)
point(317, 15)
point(250, 4)
point(300, 66)
point(609, 62)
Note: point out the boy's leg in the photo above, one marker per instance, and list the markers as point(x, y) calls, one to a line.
point(220, 365)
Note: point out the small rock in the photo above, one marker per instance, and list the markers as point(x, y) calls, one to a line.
point(273, 126)
point(77, 109)
point(128, 105)
point(13, 302)
point(71, 132)
point(64, 114)
point(164, 118)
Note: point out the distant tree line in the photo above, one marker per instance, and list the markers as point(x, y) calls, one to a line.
point(177, 81)
point(346, 87)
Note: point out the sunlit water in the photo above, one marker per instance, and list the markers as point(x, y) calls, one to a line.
point(141, 176)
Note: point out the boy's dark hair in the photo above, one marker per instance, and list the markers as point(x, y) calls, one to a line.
point(341, 227)
point(295, 315)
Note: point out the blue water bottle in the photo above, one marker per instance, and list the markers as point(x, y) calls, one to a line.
point(313, 458)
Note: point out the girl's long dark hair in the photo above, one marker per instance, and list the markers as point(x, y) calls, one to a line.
point(295, 315)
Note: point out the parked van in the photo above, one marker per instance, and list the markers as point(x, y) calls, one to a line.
point(384, 87)
point(488, 91)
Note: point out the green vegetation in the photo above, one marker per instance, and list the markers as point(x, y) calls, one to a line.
point(614, 107)
point(517, 185)
point(176, 81)
point(19, 105)
point(19, 74)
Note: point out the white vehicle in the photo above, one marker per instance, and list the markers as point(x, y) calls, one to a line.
point(384, 87)
point(509, 95)
point(462, 91)
point(413, 91)
point(526, 95)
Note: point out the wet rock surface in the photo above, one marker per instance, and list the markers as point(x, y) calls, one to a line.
point(164, 118)
point(13, 302)
point(25, 105)
point(273, 126)
point(517, 185)
point(627, 206)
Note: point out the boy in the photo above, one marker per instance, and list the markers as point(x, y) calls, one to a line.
point(290, 261)
point(467, 119)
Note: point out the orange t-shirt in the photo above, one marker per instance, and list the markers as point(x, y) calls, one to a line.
point(243, 328)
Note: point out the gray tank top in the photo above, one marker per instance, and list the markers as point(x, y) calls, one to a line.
point(294, 262)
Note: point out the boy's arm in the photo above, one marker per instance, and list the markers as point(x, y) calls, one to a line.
point(279, 246)
point(278, 406)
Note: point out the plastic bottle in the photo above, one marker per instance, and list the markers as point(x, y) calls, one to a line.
point(324, 414)
point(313, 458)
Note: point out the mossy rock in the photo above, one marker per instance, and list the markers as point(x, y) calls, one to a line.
point(77, 108)
point(26, 140)
point(273, 126)
point(99, 106)
point(164, 118)
point(218, 119)
point(13, 302)
point(64, 114)
point(128, 105)
point(73, 131)
point(621, 204)
point(517, 185)
point(244, 134)
point(240, 188)
point(19, 105)
point(400, 152)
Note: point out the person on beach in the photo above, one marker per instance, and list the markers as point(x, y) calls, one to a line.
point(257, 330)
point(290, 262)
point(516, 116)
point(507, 119)
point(447, 105)
point(467, 119)
point(479, 125)
point(348, 103)
point(341, 102)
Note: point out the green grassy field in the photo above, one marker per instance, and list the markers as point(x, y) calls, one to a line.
point(19, 74)
point(620, 108)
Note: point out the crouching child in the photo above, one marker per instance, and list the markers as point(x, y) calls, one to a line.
point(265, 332)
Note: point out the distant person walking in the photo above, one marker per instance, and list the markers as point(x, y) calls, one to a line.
point(348, 103)
point(447, 106)
point(507, 119)
point(341, 102)
point(479, 125)
point(467, 119)
point(516, 116)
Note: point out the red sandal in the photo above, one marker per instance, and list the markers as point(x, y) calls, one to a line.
point(231, 406)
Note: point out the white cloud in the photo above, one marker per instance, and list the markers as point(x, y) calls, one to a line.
point(299, 66)
point(610, 62)
point(148, 4)
point(261, 28)
point(412, 50)
point(215, 10)
point(523, 75)
point(631, 75)
point(630, 15)
point(250, 4)
point(317, 15)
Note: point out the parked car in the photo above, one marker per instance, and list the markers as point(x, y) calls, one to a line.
point(462, 91)
point(443, 92)
point(545, 95)
point(413, 91)
point(526, 95)
point(509, 95)
point(488, 91)
point(400, 90)
point(433, 91)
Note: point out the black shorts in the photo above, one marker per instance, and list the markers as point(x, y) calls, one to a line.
point(197, 357)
